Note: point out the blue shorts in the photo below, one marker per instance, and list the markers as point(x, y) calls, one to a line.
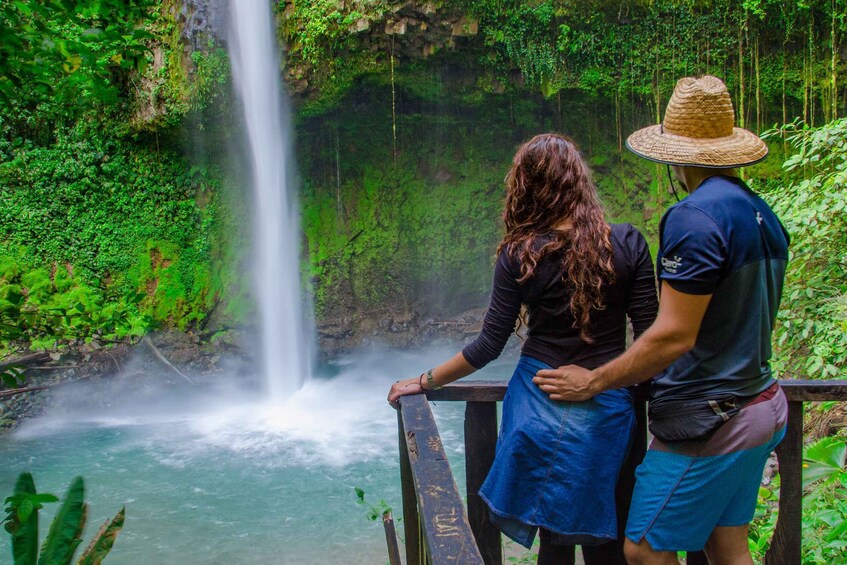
point(684, 490)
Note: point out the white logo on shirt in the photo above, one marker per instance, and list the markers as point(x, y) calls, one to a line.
point(759, 218)
point(671, 265)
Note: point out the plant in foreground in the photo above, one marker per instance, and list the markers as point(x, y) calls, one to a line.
point(374, 512)
point(824, 505)
point(65, 533)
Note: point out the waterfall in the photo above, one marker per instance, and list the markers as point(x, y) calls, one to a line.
point(285, 336)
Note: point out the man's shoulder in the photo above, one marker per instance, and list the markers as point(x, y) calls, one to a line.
point(690, 215)
point(715, 205)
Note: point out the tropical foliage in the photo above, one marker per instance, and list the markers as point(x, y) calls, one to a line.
point(59, 57)
point(65, 533)
point(811, 334)
point(824, 505)
point(111, 224)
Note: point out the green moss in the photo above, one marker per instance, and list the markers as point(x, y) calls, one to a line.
point(421, 226)
point(62, 279)
point(9, 266)
point(103, 216)
point(38, 285)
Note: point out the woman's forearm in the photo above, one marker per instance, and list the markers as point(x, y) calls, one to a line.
point(451, 370)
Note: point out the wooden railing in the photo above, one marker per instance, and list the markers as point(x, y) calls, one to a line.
point(438, 528)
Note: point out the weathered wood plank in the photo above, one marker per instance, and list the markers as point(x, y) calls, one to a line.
point(471, 391)
point(494, 391)
point(445, 524)
point(814, 390)
point(480, 443)
point(391, 539)
point(787, 539)
point(410, 501)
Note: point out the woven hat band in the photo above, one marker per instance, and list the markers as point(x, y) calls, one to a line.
point(700, 109)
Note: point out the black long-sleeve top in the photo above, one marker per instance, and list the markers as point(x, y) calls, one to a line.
point(551, 336)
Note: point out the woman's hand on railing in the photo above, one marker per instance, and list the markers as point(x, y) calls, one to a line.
point(402, 388)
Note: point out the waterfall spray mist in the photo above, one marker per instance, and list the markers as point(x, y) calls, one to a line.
point(285, 335)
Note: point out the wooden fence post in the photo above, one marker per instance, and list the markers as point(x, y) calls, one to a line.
point(447, 534)
point(480, 443)
point(391, 539)
point(410, 501)
point(786, 547)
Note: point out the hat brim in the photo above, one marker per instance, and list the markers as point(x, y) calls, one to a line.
point(740, 149)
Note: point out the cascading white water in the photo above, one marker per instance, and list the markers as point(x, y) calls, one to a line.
point(285, 339)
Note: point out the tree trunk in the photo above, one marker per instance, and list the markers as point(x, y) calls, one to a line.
point(834, 109)
point(708, 59)
point(618, 120)
point(25, 360)
point(393, 108)
point(758, 92)
point(811, 67)
point(339, 208)
point(741, 71)
point(784, 108)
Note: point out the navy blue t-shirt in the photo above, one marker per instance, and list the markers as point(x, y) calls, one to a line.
point(725, 241)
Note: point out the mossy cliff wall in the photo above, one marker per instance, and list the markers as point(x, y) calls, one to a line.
point(407, 116)
point(402, 217)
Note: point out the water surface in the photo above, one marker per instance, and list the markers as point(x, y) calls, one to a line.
point(219, 477)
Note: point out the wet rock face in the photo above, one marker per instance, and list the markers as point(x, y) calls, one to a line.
point(409, 30)
point(201, 19)
point(395, 328)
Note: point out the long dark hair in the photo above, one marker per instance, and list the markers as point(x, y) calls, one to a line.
point(548, 183)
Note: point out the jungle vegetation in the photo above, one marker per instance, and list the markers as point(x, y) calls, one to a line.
point(118, 211)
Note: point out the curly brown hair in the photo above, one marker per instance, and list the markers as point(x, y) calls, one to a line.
point(550, 192)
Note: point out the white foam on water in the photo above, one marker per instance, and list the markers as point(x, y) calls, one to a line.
point(327, 422)
point(333, 422)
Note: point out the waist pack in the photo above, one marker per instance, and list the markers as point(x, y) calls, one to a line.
point(679, 420)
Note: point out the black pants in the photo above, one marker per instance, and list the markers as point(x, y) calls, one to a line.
point(610, 553)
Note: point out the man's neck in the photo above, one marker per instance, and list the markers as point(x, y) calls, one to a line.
point(694, 177)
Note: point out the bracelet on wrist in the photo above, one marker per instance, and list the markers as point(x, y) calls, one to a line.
point(430, 381)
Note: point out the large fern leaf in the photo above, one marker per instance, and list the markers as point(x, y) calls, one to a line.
point(103, 540)
point(25, 537)
point(66, 529)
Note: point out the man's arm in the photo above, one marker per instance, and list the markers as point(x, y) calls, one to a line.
point(672, 335)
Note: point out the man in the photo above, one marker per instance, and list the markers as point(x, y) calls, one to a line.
point(721, 264)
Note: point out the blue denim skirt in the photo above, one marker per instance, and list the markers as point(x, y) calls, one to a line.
point(557, 463)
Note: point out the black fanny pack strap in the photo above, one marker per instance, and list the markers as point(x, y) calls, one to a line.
point(718, 410)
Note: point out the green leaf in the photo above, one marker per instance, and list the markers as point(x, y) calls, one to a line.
point(837, 532)
point(103, 540)
point(25, 509)
point(823, 459)
point(25, 538)
point(66, 528)
point(9, 380)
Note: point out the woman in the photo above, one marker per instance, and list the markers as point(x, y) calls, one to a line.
point(557, 463)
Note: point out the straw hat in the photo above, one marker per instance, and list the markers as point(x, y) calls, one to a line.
point(698, 130)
